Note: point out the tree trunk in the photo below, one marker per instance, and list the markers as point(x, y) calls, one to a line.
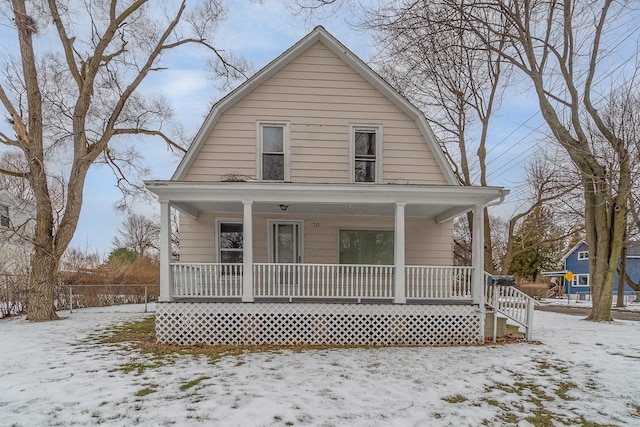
point(622, 275)
point(601, 295)
point(605, 232)
point(44, 273)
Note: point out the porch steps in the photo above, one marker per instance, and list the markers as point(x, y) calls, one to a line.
point(503, 329)
point(509, 303)
point(514, 331)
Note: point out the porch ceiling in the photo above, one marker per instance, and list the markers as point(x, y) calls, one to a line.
point(442, 202)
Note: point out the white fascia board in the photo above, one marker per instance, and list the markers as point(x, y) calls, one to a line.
point(554, 273)
point(324, 193)
point(572, 250)
point(318, 34)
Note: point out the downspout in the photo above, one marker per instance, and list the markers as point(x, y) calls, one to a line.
point(503, 194)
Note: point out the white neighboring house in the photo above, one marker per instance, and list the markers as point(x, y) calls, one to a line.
point(16, 229)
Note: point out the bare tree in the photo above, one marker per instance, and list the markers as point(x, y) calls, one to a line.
point(71, 97)
point(139, 234)
point(458, 89)
point(551, 212)
point(559, 47)
point(175, 234)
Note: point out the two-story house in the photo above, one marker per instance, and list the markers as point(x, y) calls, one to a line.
point(317, 206)
point(576, 263)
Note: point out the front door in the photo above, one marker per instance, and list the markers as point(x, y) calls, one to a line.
point(286, 241)
point(286, 249)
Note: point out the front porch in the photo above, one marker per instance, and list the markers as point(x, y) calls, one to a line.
point(276, 263)
point(323, 304)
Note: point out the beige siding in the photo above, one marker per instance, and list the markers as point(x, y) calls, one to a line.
point(197, 238)
point(320, 95)
point(427, 243)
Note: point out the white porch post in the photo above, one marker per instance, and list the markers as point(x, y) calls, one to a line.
point(247, 256)
point(399, 291)
point(477, 255)
point(165, 251)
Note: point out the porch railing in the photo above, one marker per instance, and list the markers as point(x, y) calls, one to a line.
point(323, 280)
point(213, 280)
point(510, 302)
point(341, 281)
point(431, 282)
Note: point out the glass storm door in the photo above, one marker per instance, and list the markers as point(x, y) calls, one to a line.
point(287, 242)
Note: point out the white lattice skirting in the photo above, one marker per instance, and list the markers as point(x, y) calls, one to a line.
point(317, 323)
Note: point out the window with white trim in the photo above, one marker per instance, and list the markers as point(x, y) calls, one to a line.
point(366, 153)
point(583, 255)
point(581, 280)
point(369, 247)
point(230, 242)
point(4, 216)
point(273, 151)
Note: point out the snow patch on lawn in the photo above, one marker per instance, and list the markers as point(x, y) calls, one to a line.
point(57, 373)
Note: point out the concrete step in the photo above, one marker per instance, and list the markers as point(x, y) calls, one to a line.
point(501, 329)
point(514, 331)
point(504, 329)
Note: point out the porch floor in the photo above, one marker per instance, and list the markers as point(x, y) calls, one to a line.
point(281, 300)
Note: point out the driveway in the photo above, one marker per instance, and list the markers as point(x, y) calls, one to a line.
point(617, 314)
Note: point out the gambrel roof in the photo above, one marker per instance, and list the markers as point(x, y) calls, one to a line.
point(319, 34)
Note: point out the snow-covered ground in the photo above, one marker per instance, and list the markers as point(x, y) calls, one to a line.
point(57, 373)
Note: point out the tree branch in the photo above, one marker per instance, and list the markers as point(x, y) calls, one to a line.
point(24, 175)
point(100, 145)
point(16, 122)
point(203, 42)
point(67, 43)
point(134, 131)
point(4, 139)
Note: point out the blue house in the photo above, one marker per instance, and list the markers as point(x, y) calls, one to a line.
point(576, 261)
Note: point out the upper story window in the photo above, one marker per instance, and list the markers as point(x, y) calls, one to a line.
point(273, 151)
point(4, 216)
point(583, 255)
point(366, 153)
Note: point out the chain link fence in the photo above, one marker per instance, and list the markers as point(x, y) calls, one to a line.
point(14, 295)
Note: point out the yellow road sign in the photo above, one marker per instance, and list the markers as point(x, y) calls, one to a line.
point(569, 276)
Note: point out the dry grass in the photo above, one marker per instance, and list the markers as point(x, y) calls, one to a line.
point(141, 335)
point(534, 290)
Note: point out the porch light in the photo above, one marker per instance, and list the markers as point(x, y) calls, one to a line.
point(284, 207)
